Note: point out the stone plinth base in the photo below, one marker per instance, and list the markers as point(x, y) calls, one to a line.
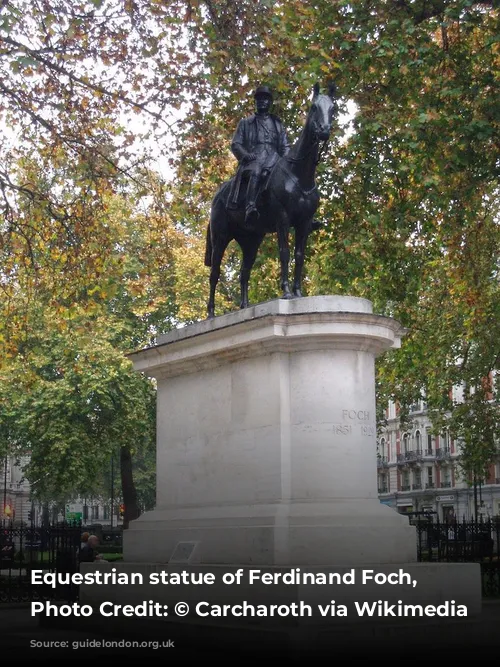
point(348, 533)
point(266, 440)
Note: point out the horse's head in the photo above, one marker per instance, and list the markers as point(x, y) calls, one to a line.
point(321, 112)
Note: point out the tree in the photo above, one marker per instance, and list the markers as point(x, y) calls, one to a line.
point(74, 400)
point(70, 396)
point(410, 196)
point(70, 77)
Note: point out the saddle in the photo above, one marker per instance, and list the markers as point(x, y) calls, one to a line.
point(238, 189)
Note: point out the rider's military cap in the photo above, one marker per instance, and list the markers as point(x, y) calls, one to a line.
point(263, 90)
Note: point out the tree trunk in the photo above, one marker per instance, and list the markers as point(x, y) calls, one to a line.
point(131, 511)
point(45, 515)
point(44, 533)
point(475, 496)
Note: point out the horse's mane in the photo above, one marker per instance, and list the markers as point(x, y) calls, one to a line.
point(294, 147)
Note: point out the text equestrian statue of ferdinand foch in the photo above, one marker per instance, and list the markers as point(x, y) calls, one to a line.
point(280, 192)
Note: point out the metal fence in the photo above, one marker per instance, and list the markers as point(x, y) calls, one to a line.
point(55, 548)
point(27, 548)
point(463, 541)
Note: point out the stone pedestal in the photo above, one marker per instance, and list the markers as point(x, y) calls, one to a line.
point(266, 438)
point(266, 459)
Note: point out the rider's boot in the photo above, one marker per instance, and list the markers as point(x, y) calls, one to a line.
point(252, 215)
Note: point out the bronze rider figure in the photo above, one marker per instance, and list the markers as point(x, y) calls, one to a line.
point(258, 142)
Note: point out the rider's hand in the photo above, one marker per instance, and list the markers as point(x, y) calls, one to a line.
point(249, 157)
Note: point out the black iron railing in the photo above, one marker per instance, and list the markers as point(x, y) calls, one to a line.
point(443, 453)
point(463, 541)
point(410, 456)
point(26, 548)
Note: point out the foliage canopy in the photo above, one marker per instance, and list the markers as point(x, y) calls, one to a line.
point(410, 193)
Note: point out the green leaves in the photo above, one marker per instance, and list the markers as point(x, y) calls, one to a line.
point(404, 194)
point(410, 197)
point(78, 401)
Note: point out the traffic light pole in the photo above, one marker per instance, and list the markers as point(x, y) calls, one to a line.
point(112, 486)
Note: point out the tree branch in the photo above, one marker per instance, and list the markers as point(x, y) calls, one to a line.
point(37, 55)
point(421, 10)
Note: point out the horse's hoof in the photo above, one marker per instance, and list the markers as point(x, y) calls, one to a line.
point(297, 294)
point(243, 305)
point(287, 295)
point(211, 316)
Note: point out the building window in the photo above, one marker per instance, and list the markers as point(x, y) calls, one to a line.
point(429, 442)
point(448, 513)
point(445, 440)
point(430, 478)
point(406, 447)
point(95, 512)
point(417, 479)
point(381, 449)
point(418, 441)
point(383, 486)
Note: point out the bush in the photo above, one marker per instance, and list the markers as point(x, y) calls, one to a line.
point(112, 557)
point(109, 549)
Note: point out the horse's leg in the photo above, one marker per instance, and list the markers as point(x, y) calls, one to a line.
point(301, 236)
point(217, 254)
point(249, 248)
point(219, 246)
point(284, 250)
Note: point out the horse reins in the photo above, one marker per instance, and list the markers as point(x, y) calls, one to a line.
point(321, 151)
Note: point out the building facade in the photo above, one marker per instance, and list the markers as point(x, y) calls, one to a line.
point(14, 490)
point(17, 504)
point(418, 471)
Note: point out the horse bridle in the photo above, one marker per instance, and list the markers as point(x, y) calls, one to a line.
point(321, 151)
point(315, 142)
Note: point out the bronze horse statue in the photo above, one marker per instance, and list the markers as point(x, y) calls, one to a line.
point(289, 198)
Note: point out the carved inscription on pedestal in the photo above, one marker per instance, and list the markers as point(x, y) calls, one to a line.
point(342, 429)
point(355, 422)
point(355, 415)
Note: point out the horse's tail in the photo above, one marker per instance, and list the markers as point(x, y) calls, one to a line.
point(208, 248)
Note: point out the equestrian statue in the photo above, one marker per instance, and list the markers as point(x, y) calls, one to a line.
point(274, 189)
